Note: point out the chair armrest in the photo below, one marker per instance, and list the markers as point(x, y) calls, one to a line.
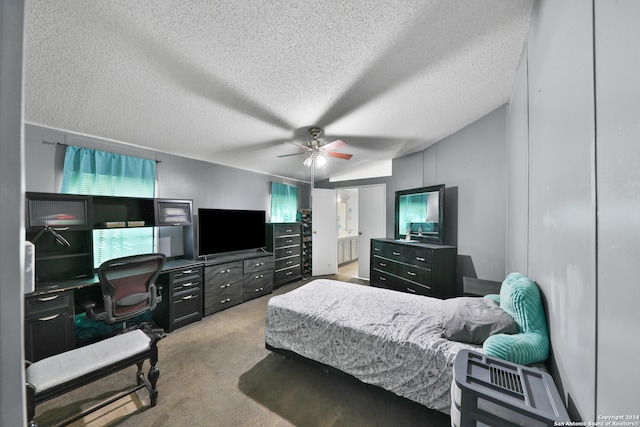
point(88, 305)
point(89, 308)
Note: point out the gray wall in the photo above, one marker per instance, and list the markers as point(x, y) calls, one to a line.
point(12, 408)
point(577, 237)
point(618, 181)
point(562, 216)
point(473, 162)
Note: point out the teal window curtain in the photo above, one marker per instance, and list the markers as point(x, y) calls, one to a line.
point(284, 202)
point(100, 173)
point(88, 171)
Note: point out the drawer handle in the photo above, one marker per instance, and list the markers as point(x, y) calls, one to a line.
point(376, 249)
point(288, 252)
point(224, 301)
point(289, 262)
point(288, 273)
point(260, 276)
point(289, 230)
point(188, 297)
point(44, 319)
point(396, 253)
point(225, 286)
point(413, 291)
point(384, 279)
point(419, 258)
point(225, 271)
point(187, 284)
point(187, 272)
point(411, 273)
point(259, 290)
point(45, 299)
point(382, 264)
point(259, 264)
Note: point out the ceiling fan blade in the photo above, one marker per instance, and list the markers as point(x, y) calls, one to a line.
point(294, 154)
point(339, 155)
point(304, 147)
point(334, 145)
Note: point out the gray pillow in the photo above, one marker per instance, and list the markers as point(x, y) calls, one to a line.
point(473, 319)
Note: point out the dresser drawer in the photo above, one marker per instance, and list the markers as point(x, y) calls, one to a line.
point(289, 251)
point(409, 287)
point(186, 275)
point(287, 262)
point(255, 265)
point(414, 274)
point(258, 279)
point(59, 302)
point(420, 258)
point(383, 264)
point(381, 279)
point(187, 306)
point(398, 252)
point(223, 273)
point(220, 301)
point(280, 242)
point(185, 287)
point(286, 274)
point(280, 230)
point(377, 248)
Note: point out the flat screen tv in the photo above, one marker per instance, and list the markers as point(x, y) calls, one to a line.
point(230, 230)
point(420, 214)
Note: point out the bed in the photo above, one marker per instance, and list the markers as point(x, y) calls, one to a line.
point(381, 337)
point(405, 343)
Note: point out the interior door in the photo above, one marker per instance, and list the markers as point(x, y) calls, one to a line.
point(324, 232)
point(372, 220)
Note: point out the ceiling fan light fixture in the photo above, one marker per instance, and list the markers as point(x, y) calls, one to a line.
point(320, 161)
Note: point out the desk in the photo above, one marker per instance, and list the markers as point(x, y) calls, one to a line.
point(49, 310)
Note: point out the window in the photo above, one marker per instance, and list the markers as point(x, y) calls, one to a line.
point(100, 173)
point(284, 202)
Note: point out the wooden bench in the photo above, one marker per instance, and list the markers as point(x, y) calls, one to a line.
point(61, 373)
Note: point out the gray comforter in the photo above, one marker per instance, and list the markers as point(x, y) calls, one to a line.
point(382, 337)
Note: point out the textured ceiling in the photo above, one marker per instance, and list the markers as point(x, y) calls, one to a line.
point(228, 81)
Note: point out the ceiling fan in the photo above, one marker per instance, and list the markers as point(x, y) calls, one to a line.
point(316, 150)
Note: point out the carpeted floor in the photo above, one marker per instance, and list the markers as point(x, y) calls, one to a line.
point(217, 372)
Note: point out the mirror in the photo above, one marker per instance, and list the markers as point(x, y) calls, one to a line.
point(419, 215)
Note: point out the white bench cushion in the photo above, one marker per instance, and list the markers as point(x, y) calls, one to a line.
point(61, 368)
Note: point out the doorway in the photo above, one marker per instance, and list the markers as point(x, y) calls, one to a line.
point(361, 216)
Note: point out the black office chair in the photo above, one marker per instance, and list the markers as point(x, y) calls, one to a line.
point(128, 288)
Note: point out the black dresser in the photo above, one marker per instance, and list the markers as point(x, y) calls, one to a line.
point(419, 268)
point(285, 241)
